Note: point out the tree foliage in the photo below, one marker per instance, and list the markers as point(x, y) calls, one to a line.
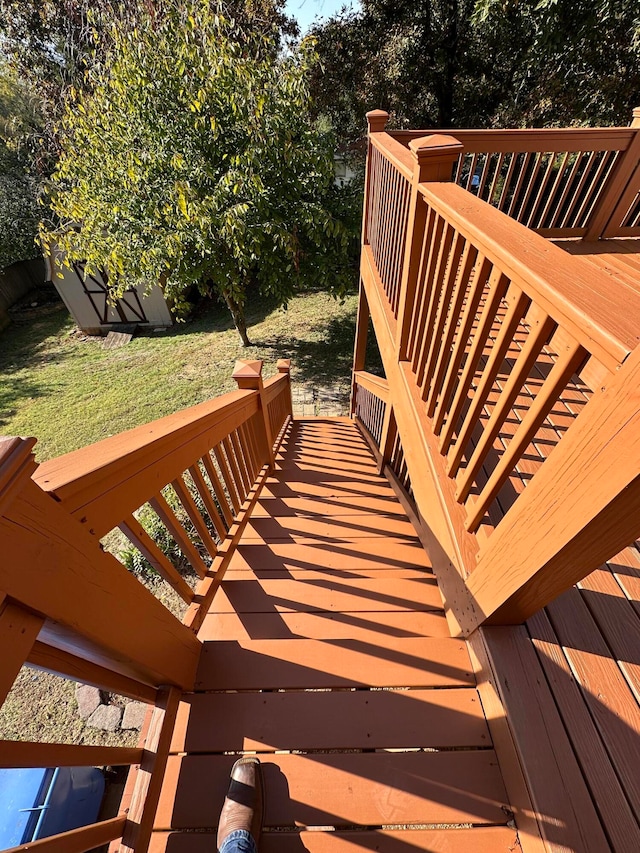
point(19, 214)
point(460, 63)
point(190, 157)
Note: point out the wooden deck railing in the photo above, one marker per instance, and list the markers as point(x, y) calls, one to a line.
point(561, 182)
point(70, 607)
point(498, 348)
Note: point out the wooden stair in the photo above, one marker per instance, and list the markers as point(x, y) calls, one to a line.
point(327, 652)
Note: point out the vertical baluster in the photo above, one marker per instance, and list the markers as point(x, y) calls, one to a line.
point(168, 518)
point(561, 166)
point(471, 290)
point(207, 499)
point(218, 489)
point(540, 327)
point(187, 501)
point(569, 217)
point(421, 295)
point(517, 303)
point(228, 476)
point(139, 537)
point(496, 178)
point(596, 186)
point(504, 195)
point(435, 296)
point(569, 359)
point(235, 469)
point(519, 214)
point(462, 278)
point(521, 176)
point(436, 336)
point(533, 220)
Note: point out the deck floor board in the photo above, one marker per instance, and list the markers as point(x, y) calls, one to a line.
point(326, 650)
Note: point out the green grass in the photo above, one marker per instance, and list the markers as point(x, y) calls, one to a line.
point(69, 392)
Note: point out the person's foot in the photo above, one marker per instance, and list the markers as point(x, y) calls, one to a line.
point(243, 804)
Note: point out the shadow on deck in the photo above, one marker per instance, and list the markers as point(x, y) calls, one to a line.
point(327, 652)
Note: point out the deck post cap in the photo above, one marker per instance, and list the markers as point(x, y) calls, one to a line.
point(435, 145)
point(248, 373)
point(284, 365)
point(377, 120)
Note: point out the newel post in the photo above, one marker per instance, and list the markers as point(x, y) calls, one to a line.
point(620, 190)
point(284, 366)
point(248, 375)
point(434, 158)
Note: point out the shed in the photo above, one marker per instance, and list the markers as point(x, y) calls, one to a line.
point(87, 297)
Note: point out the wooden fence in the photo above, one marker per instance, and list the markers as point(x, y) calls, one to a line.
point(498, 349)
point(70, 607)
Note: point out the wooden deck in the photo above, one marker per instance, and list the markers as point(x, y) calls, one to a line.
point(327, 652)
point(618, 258)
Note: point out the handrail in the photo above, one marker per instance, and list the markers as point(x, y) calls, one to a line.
point(493, 341)
point(529, 139)
point(83, 476)
point(64, 600)
point(375, 384)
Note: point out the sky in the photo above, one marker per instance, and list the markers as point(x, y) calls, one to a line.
point(305, 11)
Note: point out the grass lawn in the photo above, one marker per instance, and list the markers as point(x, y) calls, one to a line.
point(70, 392)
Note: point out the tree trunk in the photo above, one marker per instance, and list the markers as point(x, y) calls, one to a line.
point(237, 312)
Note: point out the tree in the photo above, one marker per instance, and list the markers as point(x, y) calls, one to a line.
point(19, 121)
point(460, 63)
point(575, 61)
point(190, 157)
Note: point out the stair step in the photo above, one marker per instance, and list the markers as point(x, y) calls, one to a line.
point(300, 664)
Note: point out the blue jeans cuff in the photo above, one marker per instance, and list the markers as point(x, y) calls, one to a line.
point(239, 841)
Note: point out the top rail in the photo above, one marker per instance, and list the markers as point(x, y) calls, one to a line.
point(530, 139)
point(561, 182)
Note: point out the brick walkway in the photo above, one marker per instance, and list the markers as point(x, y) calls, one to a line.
point(310, 400)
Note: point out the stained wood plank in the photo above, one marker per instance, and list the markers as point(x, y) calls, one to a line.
point(383, 719)
point(273, 507)
point(365, 553)
point(295, 487)
point(337, 529)
point(479, 840)
point(390, 662)
point(610, 701)
point(27, 754)
point(366, 789)
point(76, 840)
point(330, 575)
point(268, 596)
point(617, 620)
point(362, 627)
point(608, 793)
point(565, 811)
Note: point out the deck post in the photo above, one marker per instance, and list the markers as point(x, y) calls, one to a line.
point(248, 374)
point(621, 189)
point(360, 347)
point(434, 158)
point(283, 365)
